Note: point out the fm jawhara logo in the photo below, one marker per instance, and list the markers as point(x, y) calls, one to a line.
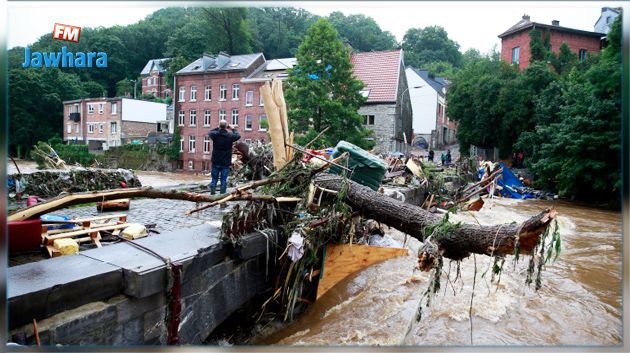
point(64, 58)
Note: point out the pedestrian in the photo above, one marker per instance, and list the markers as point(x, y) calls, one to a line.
point(521, 157)
point(431, 155)
point(514, 160)
point(222, 141)
point(443, 158)
point(448, 157)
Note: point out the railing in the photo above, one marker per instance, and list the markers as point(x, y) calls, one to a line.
point(76, 117)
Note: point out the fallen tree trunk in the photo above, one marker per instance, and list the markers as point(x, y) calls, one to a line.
point(458, 242)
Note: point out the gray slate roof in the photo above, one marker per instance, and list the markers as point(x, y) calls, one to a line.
point(223, 62)
point(154, 64)
point(437, 83)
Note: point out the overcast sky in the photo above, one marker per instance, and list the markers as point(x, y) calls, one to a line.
point(471, 24)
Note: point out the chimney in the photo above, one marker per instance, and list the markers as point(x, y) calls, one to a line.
point(526, 17)
point(555, 23)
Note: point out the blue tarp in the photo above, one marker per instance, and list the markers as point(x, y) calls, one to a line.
point(509, 182)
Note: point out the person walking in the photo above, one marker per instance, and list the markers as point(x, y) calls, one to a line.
point(431, 155)
point(222, 141)
point(443, 158)
point(448, 157)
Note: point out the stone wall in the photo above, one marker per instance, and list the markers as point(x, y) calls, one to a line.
point(50, 183)
point(384, 124)
point(117, 295)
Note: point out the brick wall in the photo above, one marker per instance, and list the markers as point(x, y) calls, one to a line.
point(157, 86)
point(95, 126)
point(199, 130)
point(134, 130)
point(521, 39)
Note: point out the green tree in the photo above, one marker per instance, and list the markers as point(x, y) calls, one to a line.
point(322, 91)
point(362, 32)
point(564, 60)
point(93, 89)
point(278, 31)
point(172, 67)
point(124, 88)
point(228, 26)
point(430, 44)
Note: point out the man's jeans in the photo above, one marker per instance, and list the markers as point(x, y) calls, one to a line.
point(217, 171)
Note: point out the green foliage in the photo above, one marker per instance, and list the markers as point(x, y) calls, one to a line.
point(173, 150)
point(430, 44)
point(71, 154)
point(331, 97)
point(278, 31)
point(124, 88)
point(362, 33)
point(174, 65)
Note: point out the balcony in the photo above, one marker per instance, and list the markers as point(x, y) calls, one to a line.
point(76, 117)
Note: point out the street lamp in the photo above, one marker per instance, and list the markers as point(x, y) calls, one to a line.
point(134, 87)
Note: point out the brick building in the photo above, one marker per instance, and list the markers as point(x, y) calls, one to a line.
point(209, 90)
point(108, 122)
point(154, 79)
point(515, 41)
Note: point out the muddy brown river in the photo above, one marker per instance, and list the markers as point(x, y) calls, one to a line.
point(579, 304)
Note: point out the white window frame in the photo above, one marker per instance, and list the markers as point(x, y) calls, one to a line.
point(69, 128)
point(192, 144)
point(100, 128)
point(90, 128)
point(191, 164)
point(182, 94)
point(113, 128)
point(262, 101)
point(516, 59)
point(101, 108)
point(193, 118)
point(249, 120)
point(249, 98)
point(208, 93)
point(223, 92)
point(207, 117)
point(236, 90)
point(222, 114)
point(193, 93)
point(181, 118)
point(260, 119)
point(90, 108)
point(76, 128)
point(206, 144)
point(114, 108)
point(234, 116)
point(366, 120)
point(181, 144)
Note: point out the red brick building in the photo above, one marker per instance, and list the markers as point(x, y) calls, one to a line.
point(210, 89)
point(153, 78)
point(515, 41)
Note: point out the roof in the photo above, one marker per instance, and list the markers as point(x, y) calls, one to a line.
point(272, 69)
point(156, 64)
point(380, 71)
point(437, 83)
point(526, 24)
point(220, 63)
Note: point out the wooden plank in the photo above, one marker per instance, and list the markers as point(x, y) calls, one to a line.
point(112, 205)
point(50, 239)
point(343, 260)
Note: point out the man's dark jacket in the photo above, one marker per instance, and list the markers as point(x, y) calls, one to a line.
point(222, 146)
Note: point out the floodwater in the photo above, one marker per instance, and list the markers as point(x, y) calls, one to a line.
point(579, 304)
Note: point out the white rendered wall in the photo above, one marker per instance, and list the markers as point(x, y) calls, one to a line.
point(142, 111)
point(423, 103)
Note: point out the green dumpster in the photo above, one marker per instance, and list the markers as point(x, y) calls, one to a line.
point(367, 169)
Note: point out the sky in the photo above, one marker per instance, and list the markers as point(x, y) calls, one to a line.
point(472, 24)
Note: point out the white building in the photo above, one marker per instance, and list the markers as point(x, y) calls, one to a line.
point(606, 19)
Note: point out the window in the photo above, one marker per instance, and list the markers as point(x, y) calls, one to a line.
point(206, 144)
point(515, 55)
point(114, 108)
point(249, 98)
point(191, 143)
point(191, 164)
point(181, 118)
point(208, 93)
point(205, 166)
point(206, 118)
point(149, 81)
point(113, 127)
point(76, 128)
point(583, 54)
point(181, 144)
point(221, 114)
point(263, 123)
point(223, 92)
point(248, 122)
point(100, 108)
point(608, 19)
point(369, 119)
point(262, 102)
point(76, 108)
point(235, 90)
point(234, 116)
point(193, 118)
point(90, 108)
point(182, 93)
point(69, 129)
point(193, 93)
point(90, 128)
point(100, 128)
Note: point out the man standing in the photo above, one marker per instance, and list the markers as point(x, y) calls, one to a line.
point(222, 154)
